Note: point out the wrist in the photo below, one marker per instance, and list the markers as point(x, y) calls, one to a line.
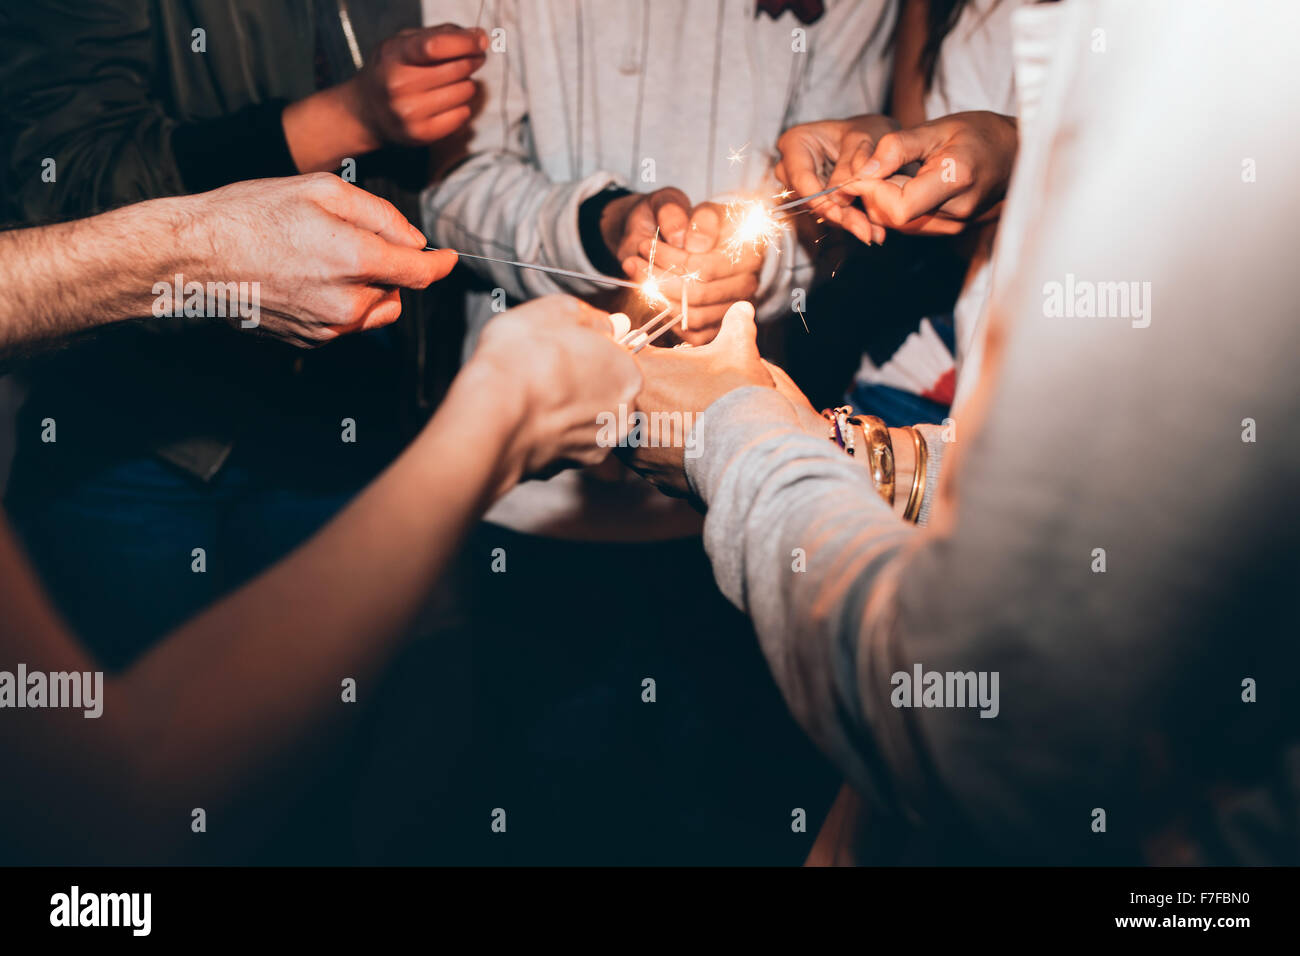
point(600, 227)
point(327, 127)
point(195, 251)
point(485, 402)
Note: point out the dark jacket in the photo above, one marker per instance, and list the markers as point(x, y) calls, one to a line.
point(119, 95)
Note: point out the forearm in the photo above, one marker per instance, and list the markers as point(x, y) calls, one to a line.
point(70, 277)
point(244, 685)
point(801, 541)
point(322, 130)
point(500, 206)
point(797, 535)
point(334, 609)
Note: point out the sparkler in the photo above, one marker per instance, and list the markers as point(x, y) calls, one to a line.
point(637, 339)
point(755, 226)
point(589, 276)
point(650, 288)
point(805, 199)
point(634, 339)
point(757, 222)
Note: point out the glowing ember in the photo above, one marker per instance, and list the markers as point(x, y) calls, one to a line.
point(651, 292)
point(753, 227)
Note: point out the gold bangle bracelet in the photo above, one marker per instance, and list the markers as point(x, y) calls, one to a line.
point(913, 510)
point(880, 454)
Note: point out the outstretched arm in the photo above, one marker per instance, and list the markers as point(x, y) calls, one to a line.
point(326, 258)
point(244, 686)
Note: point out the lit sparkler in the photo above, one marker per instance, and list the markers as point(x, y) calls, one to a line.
point(650, 290)
point(552, 270)
point(753, 227)
point(756, 221)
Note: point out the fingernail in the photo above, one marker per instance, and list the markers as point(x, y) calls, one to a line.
point(870, 168)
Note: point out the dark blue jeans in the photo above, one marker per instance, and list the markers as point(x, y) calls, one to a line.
point(115, 549)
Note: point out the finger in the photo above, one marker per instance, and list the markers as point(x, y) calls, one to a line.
point(384, 312)
point(444, 124)
point(620, 324)
point(933, 226)
point(359, 302)
point(739, 331)
point(703, 266)
point(722, 291)
point(803, 166)
point(671, 216)
point(857, 150)
point(895, 150)
point(401, 266)
point(409, 80)
point(919, 195)
point(705, 227)
point(855, 221)
point(590, 317)
point(367, 211)
point(440, 100)
point(429, 45)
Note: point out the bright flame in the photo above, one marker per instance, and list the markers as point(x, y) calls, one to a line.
point(650, 287)
point(754, 227)
point(651, 292)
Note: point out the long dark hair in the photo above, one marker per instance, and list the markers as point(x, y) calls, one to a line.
point(941, 17)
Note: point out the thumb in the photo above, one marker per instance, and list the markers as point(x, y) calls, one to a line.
point(738, 330)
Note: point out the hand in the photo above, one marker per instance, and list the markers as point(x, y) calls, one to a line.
point(718, 280)
point(553, 362)
point(812, 150)
point(966, 164)
point(689, 380)
point(328, 257)
point(631, 220)
point(416, 88)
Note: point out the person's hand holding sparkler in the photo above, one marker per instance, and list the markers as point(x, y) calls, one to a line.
point(554, 361)
point(717, 264)
point(634, 220)
point(830, 153)
point(966, 161)
point(415, 89)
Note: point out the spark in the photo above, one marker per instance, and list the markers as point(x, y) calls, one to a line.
point(754, 227)
point(650, 290)
point(737, 156)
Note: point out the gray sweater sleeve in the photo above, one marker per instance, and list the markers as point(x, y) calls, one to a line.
point(797, 536)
